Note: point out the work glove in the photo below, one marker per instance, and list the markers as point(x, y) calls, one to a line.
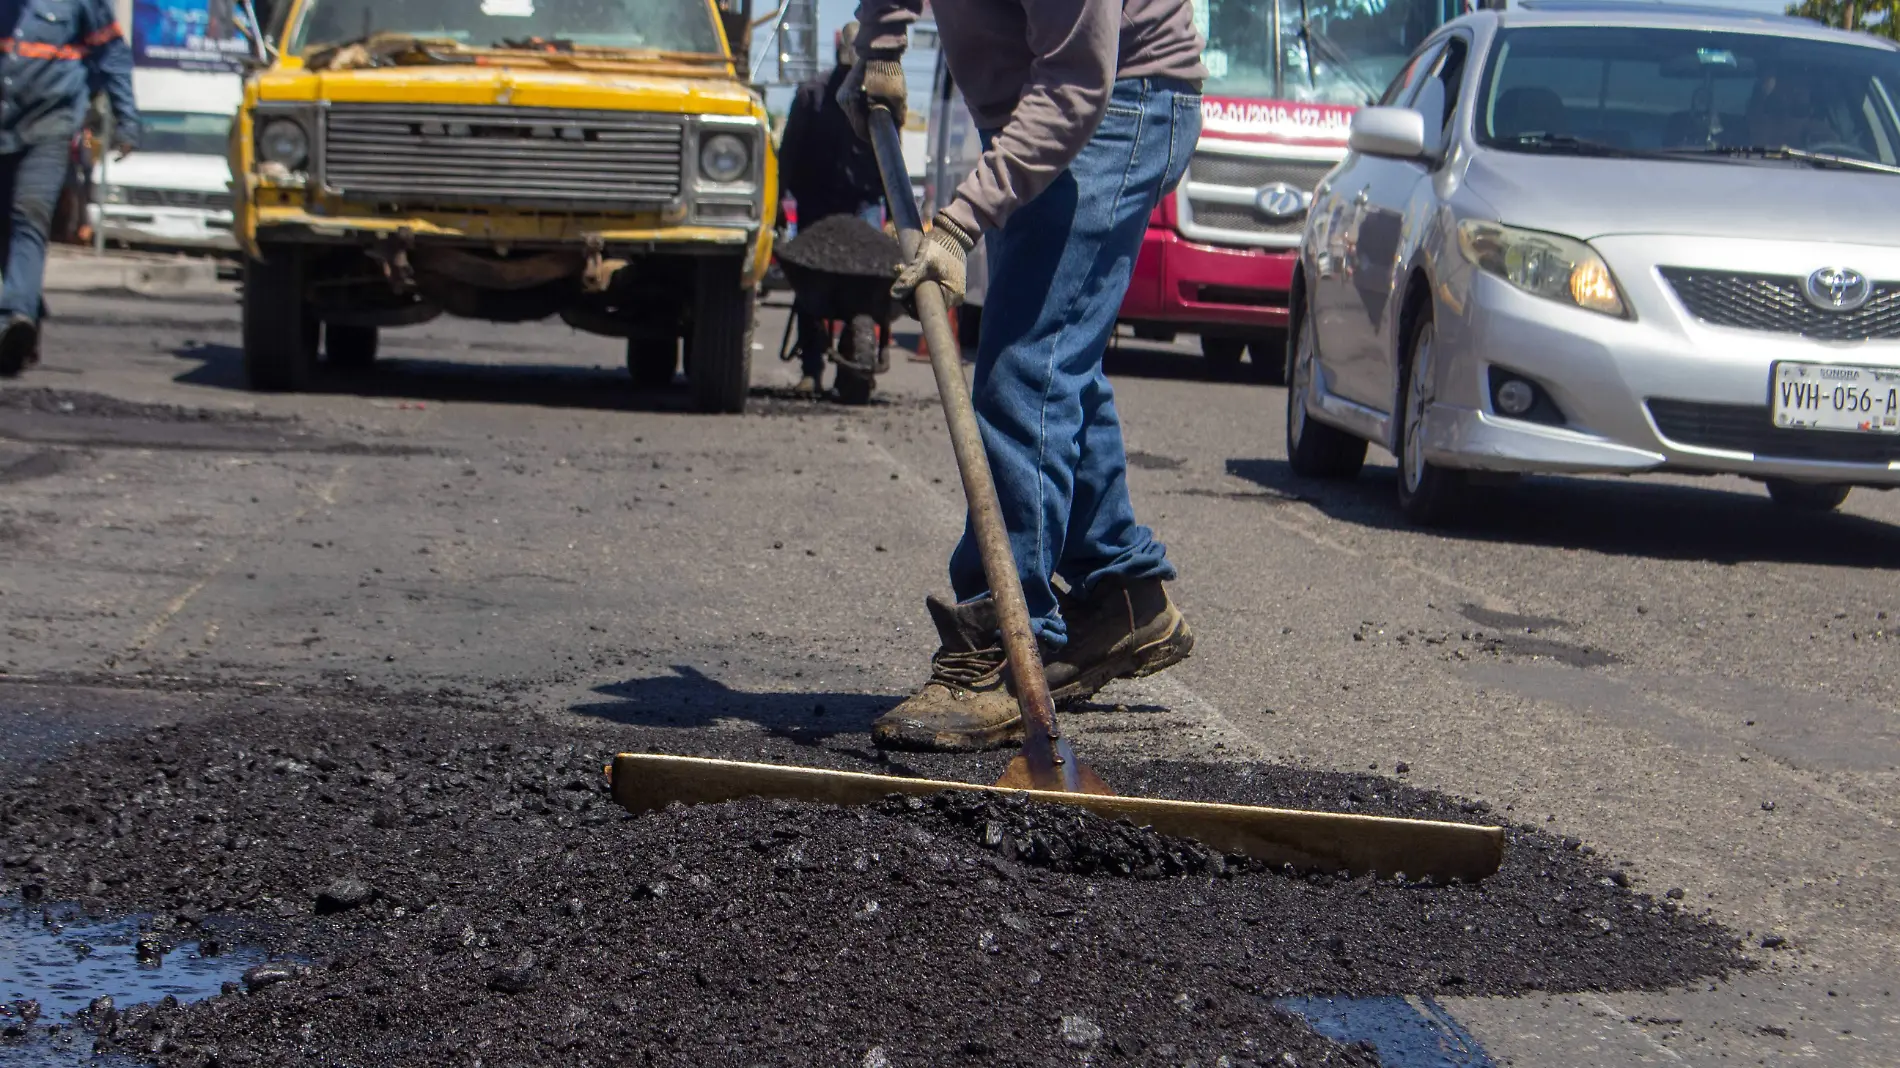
point(940, 258)
point(872, 81)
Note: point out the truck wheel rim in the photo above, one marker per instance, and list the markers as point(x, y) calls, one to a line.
point(1418, 396)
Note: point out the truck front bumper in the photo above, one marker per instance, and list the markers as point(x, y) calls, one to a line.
point(1207, 287)
point(525, 230)
point(163, 227)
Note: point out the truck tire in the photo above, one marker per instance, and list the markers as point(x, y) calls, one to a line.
point(651, 361)
point(350, 348)
point(280, 344)
point(721, 366)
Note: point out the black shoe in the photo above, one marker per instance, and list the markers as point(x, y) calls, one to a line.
point(19, 346)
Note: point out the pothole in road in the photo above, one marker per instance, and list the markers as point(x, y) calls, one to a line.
point(508, 902)
point(56, 961)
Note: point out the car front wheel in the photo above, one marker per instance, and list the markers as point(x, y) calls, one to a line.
point(1314, 449)
point(1811, 497)
point(1428, 494)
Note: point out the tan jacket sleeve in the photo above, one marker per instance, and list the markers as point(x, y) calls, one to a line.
point(1076, 44)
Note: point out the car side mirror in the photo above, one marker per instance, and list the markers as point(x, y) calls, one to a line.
point(1394, 133)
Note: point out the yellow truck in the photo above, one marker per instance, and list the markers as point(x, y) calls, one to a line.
point(603, 161)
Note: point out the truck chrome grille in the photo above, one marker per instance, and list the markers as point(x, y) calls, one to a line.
point(1751, 428)
point(447, 155)
point(1775, 303)
point(176, 198)
point(1216, 201)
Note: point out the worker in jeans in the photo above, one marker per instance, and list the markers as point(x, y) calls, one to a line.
point(1089, 111)
point(56, 54)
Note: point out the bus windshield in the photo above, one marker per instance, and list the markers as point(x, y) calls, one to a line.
point(1325, 51)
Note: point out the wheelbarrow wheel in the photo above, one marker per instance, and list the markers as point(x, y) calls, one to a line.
point(858, 352)
point(854, 387)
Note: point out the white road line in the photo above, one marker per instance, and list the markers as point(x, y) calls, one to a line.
point(325, 496)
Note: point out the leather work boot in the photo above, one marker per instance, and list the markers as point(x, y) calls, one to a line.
point(966, 705)
point(1125, 630)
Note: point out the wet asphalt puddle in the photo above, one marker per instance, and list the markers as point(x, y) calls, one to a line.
point(59, 966)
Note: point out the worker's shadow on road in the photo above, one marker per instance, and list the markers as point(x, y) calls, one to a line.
point(687, 698)
point(1623, 517)
point(424, 378)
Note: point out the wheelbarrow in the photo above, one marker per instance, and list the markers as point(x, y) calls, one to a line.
point(861, 303)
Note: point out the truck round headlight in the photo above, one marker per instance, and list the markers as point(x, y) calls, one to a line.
point(283, 141)
point(724, 158)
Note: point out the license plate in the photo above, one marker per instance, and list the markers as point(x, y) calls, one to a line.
point(1817, 396)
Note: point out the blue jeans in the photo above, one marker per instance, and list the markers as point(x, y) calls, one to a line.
point(1057, 272)
point(30, 182)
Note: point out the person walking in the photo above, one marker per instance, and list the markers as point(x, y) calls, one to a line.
point(56, 54)
point(1088, 111)
point(828, 171)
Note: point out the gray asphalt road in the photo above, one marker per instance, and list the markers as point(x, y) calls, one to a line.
point(1665, 668)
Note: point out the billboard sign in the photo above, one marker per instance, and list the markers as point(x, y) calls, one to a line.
point(188, 34)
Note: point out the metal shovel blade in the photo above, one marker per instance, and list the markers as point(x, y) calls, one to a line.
point(1068, 774)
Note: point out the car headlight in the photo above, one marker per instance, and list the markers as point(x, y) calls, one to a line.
point(113, 195)
point(724, 157)
point(283, 141)
point(1546, 265)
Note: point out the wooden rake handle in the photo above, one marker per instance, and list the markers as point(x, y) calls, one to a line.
point(979, 487)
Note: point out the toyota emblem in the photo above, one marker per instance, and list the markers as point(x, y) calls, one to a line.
point(1280, 201)
point(1838, 289)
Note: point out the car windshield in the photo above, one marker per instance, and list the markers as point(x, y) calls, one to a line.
point(1688, 93)
point(646, 25)
point(189, 133)
point(1355, 48)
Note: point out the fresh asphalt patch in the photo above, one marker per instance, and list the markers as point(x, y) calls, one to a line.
point(71, 419)
point(464, 890)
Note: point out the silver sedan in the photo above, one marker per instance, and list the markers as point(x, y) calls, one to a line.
point(1599, 238)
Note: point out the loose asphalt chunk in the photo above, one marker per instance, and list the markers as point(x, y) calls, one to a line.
point(501, 908)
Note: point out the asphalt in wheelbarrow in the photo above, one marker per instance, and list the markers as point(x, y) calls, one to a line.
point(468, 893)
point(842, 245)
